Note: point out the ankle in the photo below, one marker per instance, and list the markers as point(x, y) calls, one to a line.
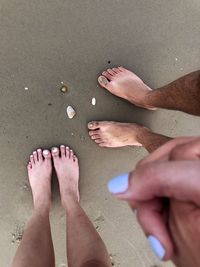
point(69, 199)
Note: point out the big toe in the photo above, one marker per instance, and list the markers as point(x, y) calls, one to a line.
point(93, 125)
point(104, 82)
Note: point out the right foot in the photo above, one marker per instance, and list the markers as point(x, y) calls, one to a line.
point(67, 170)
point(125, 84)
point(116, 134)
point(39, 172)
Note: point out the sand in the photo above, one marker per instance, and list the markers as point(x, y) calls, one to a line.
point(44, 43)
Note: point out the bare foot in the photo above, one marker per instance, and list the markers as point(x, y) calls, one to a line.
point(125, 84)
point(39, 172)
point(67, 169)
point(115, 134)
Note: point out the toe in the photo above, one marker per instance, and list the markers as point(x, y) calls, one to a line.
point(67, 152)
point(71, 155)
point(103, 81)
point(95, 136)
point(121, 68)
point(62, 150)
point(107, 75)
point(102, 144)
point(98, 141)
point(75, 158)
point(32, 160)
point(116, 70)
point(93, 125)
point(94, 132)
point(111, 72)
point(55, 152)
point(29, 166)
point(39, 152)
point(46, 154)
point(35, 155)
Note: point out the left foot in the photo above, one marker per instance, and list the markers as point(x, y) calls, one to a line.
point(39, 173)
point(116, 134)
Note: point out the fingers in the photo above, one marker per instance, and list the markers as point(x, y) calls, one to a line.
point(152, 220)
point(175, 179)
point(188, 151)
point(162, 153)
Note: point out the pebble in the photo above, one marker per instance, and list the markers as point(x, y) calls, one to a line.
point(94, 101)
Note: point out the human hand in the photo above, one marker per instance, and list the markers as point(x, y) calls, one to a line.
point(170, 173)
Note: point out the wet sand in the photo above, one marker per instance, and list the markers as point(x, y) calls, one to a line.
point(44, 43)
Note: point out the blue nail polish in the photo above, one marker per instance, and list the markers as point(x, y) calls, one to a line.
point(157, 247)
point(119, 184)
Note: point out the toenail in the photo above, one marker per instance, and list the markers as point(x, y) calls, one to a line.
point(46, 152)
point(62, 146)
point(34, 152)
point(54, 149)
point(31, 156)
point(39, 150)
point(103, 80)
point(67, 147)
point(90, 124)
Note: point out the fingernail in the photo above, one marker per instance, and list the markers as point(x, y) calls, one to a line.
point(119, 184)
point(157, 247)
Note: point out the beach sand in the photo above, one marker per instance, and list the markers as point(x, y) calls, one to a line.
point(44, 43)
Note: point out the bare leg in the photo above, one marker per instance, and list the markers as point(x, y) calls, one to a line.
point(36, 248)
point(85, 247)
point(116, 134)
point(182, 94)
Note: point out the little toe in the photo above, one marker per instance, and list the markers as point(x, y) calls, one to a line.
point(103, 81)
point(29, 166)
point(102, 144)
point(47, 154)
point(32, 160)
point(35, 156)
point(39, 152)
point(75, 158)
point(67, 152)
point(107, 75)
point(93, 125)
point(116, 70)
point(98, 141)
point(111, 72)
point(122, 69)
point(62, 150)
point(95, 136)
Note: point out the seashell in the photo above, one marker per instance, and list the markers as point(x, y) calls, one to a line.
point(94, 101)
point(64, 89)
point(70, 112)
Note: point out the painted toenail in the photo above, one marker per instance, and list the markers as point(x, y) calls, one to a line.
point(54, 149)
point(157, 247)
point(62, 146)
point(119, 184)
point(103, 80)
point(39, 150)
point(46, 152)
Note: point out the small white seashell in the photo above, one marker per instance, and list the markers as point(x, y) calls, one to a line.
point(70, 112)
point(26, 88)
point(94, 101)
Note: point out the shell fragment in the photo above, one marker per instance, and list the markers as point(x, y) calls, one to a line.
point(64, 89)
point(70, 112)
point(94, 101)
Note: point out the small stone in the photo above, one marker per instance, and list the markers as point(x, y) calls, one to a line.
point(70, 112)
point(94, 101)
point(64, 89)
point(26, 88)
point(176, 58)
